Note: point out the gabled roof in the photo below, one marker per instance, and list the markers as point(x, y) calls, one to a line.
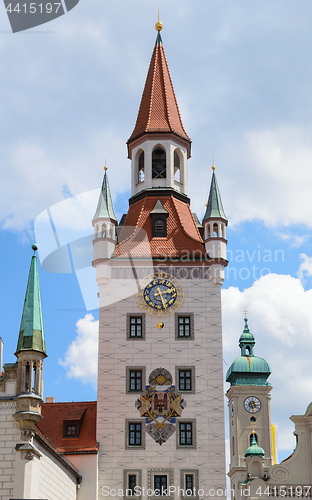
point(31, 335)
point(214, 205)
point(52, 426)
point(159, 111)
point(105, 207)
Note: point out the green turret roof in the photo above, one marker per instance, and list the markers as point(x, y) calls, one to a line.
point(31, 335)
point(105, 207)
point(214, 205)
point(254, 450)
point(248, 369)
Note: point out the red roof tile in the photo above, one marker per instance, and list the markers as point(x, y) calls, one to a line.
point(52, 426)
point(182, 233)
point(159, 111)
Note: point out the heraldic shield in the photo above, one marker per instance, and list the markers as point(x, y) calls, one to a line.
point(160, 405)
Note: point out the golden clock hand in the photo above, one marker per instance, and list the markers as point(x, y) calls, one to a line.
point(160, 293)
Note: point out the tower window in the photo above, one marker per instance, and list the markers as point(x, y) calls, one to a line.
point(177, 167)
point(135, 378)
point(215, 229)
point(160, 485)
point(135, 434)
point(141, 173)
point(159, 163)
point(135, 326)
point(185, 433)
point(185, 380)
point(189, 484)
point(184, 326)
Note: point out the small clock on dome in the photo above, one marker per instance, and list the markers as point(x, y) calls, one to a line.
point(252, 404)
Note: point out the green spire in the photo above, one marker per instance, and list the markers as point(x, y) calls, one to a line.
point(248, 369)
point(31, 335)
point(105, 208)
point(247, 341)
point(254, 450)
point(214, 205)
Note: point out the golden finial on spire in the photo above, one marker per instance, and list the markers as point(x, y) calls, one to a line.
point(245, 312)
point(105, 168)
point(159, 24)
point(213, 165)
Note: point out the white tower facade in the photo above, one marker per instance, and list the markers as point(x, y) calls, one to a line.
point(160, 422)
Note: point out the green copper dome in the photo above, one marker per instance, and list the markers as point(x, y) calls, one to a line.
point(248, 369)
point(254, 450)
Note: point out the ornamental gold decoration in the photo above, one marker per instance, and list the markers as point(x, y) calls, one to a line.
point(160, 294)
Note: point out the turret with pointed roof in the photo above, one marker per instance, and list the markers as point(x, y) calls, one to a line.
point(105, 209)
point(31, 335)
point(30, 352)
point(215, 223)
point(159, 145)
point(214, 206)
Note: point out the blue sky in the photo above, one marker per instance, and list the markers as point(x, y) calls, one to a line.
point(70, 92)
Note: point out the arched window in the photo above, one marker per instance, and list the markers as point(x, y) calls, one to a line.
point(177, 166)
point(215, 229)
point(159, 163)
point(141, 174)
point(103, 234)
point(159, 226)
point(247, 351)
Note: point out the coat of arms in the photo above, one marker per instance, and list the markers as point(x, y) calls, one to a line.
point(160, 405)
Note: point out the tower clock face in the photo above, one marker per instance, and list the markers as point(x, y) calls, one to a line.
point(160, 294)
point(252, 404)
point(232, 408)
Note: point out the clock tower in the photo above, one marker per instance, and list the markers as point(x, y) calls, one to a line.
point(249, 410)
point(160, 423)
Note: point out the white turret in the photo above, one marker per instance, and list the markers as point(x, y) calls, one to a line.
point(215, 223)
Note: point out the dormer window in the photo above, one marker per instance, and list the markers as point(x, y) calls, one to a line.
point(159, 163)
point(159, 221)
point(72, 422)
point(159, 226)
point(71, 430)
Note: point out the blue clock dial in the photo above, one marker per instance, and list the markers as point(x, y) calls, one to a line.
point(160, 293)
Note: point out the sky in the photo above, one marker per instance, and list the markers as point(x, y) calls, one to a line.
point(70, 92)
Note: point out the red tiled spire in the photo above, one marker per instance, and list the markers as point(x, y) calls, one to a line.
point(159, 111)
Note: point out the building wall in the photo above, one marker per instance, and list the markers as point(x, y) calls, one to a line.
point(55, 482)
point(160, 349)
point(87, 464)
point(9, 434)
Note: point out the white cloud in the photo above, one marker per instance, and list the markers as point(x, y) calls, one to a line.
point(295, 240)
point(280, 317)
point(80, 360)
point(305, 268)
